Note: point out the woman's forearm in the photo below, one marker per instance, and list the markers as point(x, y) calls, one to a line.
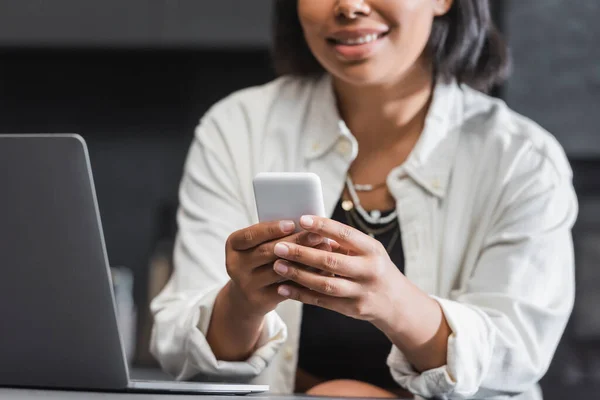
point(232, 333)
point(420, 330)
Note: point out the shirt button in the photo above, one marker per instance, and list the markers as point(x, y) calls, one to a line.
point(316, 146)
point(288, 354)
point(344, 148)
point(436, 184)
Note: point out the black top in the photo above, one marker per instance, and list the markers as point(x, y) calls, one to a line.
point(333, 346)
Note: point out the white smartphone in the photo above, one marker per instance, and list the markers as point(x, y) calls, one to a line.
point(288, 196)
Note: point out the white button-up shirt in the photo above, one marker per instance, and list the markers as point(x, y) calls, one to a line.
point(486, 206)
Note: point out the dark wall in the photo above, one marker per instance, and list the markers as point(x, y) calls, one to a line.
point(556, 76)
point(556, 82)
point(137, 111)
point(155, 24)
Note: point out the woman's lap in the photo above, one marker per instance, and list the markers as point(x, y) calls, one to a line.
point(350, 388)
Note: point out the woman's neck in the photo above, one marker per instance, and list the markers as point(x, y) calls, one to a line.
point(386, 114)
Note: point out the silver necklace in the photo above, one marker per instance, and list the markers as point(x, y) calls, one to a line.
point(368, 188)
point(374, 217)
point(353, 219)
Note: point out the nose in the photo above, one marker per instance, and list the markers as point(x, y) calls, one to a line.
point(352, 9)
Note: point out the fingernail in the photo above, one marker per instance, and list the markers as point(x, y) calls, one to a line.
point(307, 221)
point(283, 291)
point(314, 239)
point(281, 250)
point(287, 226)
point(281, 267)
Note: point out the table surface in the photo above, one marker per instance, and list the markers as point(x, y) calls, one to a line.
point(139, 374)
point(30, 394)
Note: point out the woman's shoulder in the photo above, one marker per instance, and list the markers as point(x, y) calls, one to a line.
point(248, 124)
point(493, 125)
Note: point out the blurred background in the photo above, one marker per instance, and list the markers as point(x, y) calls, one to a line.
point(133, 77)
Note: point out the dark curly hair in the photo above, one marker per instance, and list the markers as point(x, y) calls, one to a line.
point(464, 44)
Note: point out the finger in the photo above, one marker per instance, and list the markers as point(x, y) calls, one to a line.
point(331, 262)
point(273, 290)
point(306, 296)
point(343, 251)
point(331, 286)
point(264, 276)
point(345, 235)
point(338, 248)
point(265, 253)
point(324, 247)
point(253, 236)
point(304, 238)
point(335, 246)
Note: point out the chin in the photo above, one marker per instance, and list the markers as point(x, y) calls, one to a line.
point(364, 74)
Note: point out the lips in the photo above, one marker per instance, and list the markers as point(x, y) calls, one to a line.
point(357, 44)
point(359, 40)
point(356, 38)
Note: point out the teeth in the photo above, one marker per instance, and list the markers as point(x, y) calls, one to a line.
point(360, 40)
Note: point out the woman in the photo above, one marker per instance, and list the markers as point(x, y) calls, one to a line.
point(450, 270)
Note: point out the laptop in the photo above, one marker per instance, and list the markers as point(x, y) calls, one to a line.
point(58, 321)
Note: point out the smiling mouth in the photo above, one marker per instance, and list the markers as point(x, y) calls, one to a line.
point(357, 41)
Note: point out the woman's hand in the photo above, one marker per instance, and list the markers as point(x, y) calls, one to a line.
point(362, 282)
point(249, 259)
point(240, 307)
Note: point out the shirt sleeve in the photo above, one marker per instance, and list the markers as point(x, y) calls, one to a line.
point(211, 208)
point(508, 319)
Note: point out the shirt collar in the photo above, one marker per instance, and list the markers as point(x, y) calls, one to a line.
point(430, 162)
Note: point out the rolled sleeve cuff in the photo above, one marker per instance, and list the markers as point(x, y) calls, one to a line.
point(469, 354)
point(202, 358)
point(433, 383)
